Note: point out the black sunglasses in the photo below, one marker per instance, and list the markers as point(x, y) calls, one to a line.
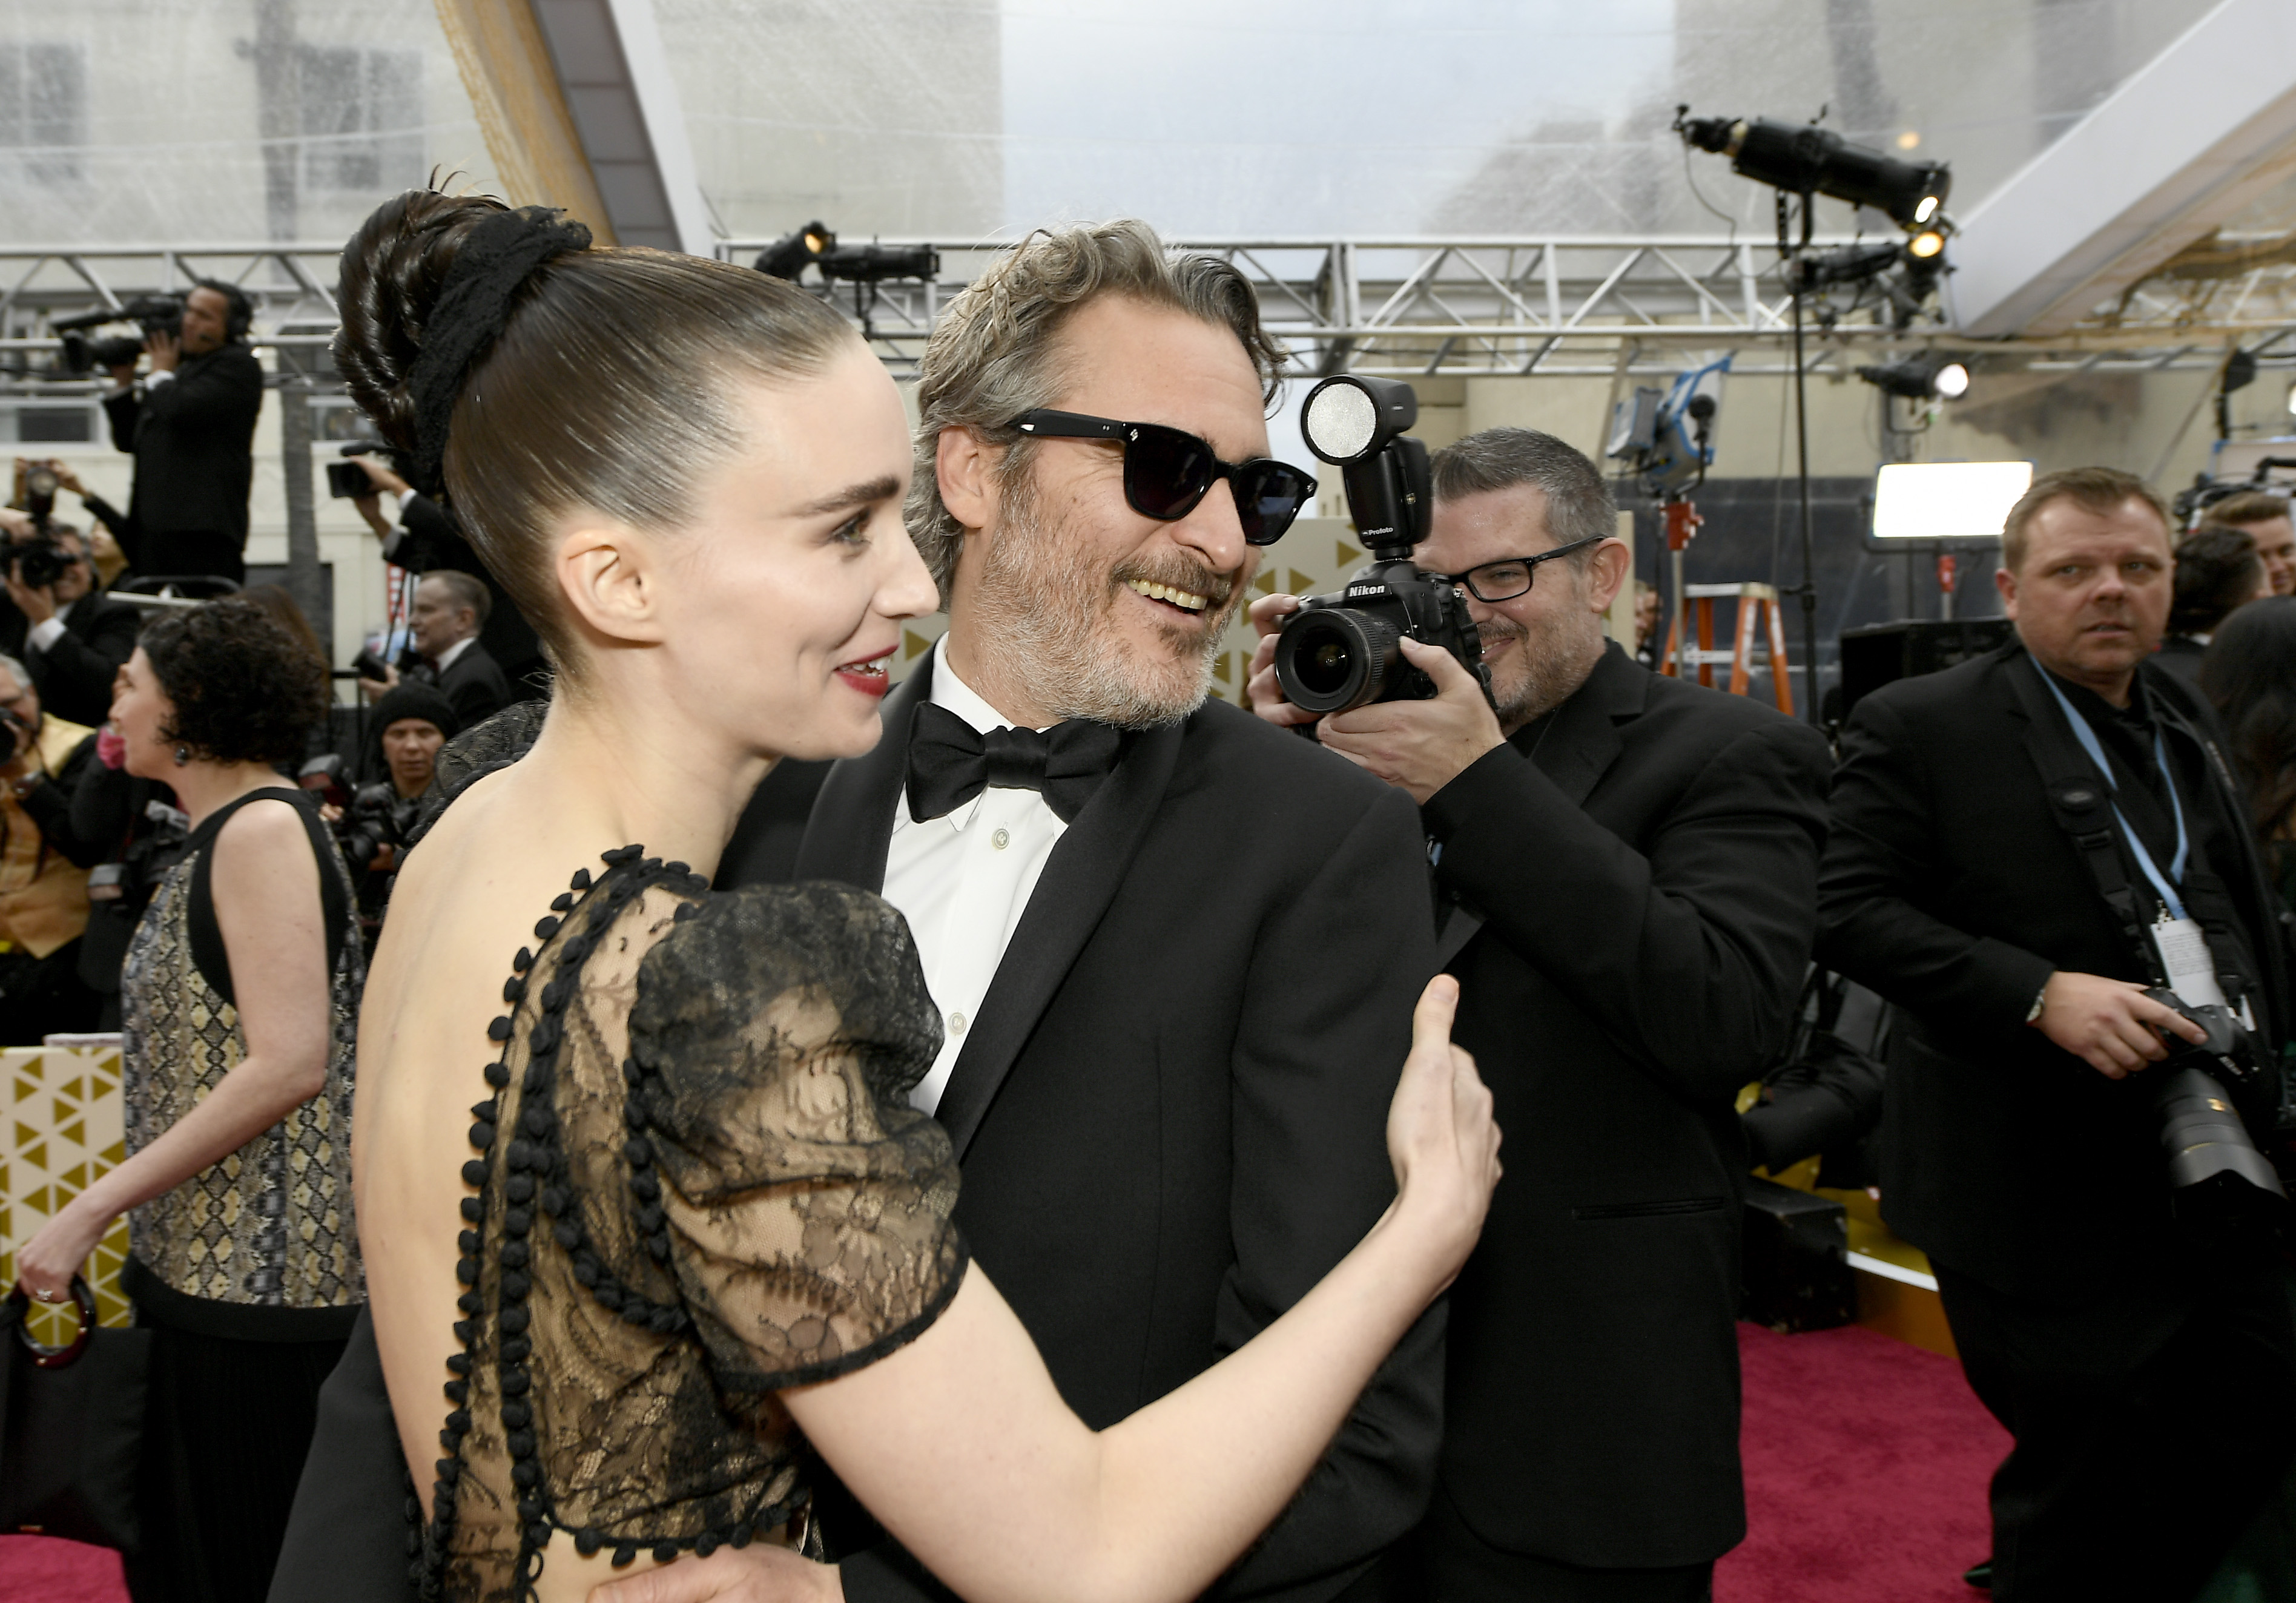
point(1511, 576)
point(1167, 472)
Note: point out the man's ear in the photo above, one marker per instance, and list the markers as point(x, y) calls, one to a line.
point(1606, 573)
point(2005, 582)
point(967, 466)
point(611, 576)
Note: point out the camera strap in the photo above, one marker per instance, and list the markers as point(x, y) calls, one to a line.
point(2175, 952)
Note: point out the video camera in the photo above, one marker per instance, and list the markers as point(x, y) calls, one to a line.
point(153, 314)
point(2222, 1189)
point(1341, 651)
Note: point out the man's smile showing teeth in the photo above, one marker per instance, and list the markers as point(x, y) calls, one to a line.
point(1185, 600)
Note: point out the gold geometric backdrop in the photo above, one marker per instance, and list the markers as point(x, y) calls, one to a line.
point(62, 1123)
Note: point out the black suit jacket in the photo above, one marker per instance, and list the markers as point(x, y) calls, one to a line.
point(193, 440)
point(473, 685)
point(1170, 1111)
point(1643, 863)
point(428, 541)
point(74, 675)
point(1949, 887)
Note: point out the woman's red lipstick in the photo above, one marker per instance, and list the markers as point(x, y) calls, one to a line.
point(870, 675)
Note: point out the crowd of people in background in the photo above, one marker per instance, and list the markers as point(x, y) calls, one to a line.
point(191, 829)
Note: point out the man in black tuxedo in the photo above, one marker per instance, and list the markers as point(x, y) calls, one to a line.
point(423, 539)
point(72, 637)
point(1176, 949)
point(1980, 819)
point(190, 427)
point(444, 648)
point(1631, 864)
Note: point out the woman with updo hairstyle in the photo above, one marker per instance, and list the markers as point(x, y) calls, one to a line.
point(239, 1000)
point(650, 1226)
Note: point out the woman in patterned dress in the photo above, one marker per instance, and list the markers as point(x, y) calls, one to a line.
point(239, 1001)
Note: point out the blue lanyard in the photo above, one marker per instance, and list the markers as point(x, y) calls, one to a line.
point(2087, 738)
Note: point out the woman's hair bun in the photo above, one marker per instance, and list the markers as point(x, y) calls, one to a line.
point(392, 272)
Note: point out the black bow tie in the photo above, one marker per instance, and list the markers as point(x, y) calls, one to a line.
point(950, 761)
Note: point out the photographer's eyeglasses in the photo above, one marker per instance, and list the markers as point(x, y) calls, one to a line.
point(1511, 576)
point(1168, 472)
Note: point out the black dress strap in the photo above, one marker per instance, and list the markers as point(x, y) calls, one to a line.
point(208, 954)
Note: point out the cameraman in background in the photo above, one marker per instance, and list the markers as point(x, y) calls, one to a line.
point(412, 721)
point(2028, 852)
point(72, 636)
point(421, 536)
point(43, 869)
point(1628, 865)
point(191, 426)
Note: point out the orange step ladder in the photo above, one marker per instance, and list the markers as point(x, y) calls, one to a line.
point(1752, 599)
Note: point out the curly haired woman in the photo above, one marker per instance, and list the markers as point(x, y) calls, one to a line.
point(239, 1000)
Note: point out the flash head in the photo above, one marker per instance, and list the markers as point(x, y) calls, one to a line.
point(1350, 418)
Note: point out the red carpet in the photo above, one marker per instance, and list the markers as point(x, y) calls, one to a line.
point(1867, 1462)
point(39, 1569)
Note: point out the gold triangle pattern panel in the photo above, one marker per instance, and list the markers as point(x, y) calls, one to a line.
point(63, 1129)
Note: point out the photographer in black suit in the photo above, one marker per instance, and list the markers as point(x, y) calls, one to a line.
point(1175, 950)
point(1632, 862)
point(190, 427)
point(71, 637)
point(444, 649)
point(2144, 1372)
point(421, 536)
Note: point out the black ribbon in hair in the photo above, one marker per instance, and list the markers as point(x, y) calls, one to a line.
point(496, 256)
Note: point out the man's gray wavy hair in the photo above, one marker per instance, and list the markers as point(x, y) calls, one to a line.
point(996, 353)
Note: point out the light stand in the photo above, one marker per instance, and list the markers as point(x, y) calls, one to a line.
point(1790, 252)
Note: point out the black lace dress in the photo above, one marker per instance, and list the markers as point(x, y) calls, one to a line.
point(697, 1182)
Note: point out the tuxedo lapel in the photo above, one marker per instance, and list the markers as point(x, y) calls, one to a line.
point(1583, 742)
point(1079, 880)
point(851, 829)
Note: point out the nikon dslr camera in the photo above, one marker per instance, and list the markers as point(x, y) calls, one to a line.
point(1343, 651)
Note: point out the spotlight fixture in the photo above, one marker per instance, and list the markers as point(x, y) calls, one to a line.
point(1933, 376)
point(874, 263)
point(1804, 160)
point(1851, 265)
point(789, 256)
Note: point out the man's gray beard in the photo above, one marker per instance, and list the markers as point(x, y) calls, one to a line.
point(1554, 666)
point(1046, 606)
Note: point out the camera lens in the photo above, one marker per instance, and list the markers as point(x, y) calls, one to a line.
point(1334, 659)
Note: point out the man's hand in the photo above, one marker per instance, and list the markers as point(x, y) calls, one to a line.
point(375, 689)
point(164, 350)
point(38, 606)
point(66, 479)
point(2109, 1023)
point(760, 1573)
point(378, 474)
point(1419, 746)
point(1266, 696)
point(16, 524)
point(369, 506)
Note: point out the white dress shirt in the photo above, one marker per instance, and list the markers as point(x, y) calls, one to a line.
point(446, 657)
point(963, 883)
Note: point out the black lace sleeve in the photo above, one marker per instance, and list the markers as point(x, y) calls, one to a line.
point(776, 1033)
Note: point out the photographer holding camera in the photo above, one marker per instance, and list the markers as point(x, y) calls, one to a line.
point(73, 636)
point(190, 427)
point(44, 898)
point(424, 540)
point(1629, 867)
point(2040, 857)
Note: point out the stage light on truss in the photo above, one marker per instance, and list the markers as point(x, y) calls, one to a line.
point(1805, 160)
point(1931, 376)
point(792, 254)
point(1948, 500)
point(1927, 244)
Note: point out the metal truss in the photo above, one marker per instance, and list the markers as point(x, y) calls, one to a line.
point(1560, 306)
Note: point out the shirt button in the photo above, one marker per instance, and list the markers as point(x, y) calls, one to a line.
point(956, 1024)
point(1001, 840)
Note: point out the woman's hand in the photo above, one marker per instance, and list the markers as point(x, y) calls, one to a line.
point(49, 1260)
point(1440, 1135)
